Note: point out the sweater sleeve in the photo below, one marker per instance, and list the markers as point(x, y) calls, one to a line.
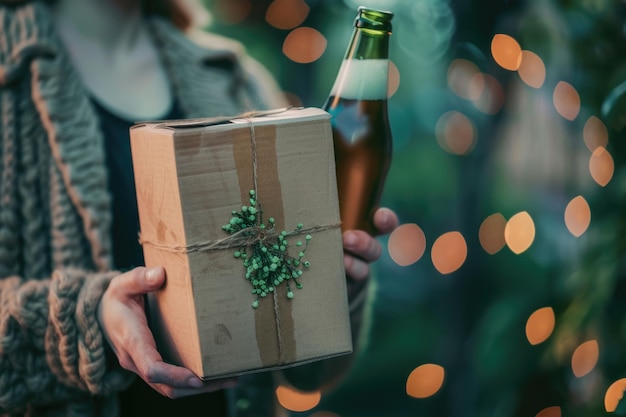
point(51, 346)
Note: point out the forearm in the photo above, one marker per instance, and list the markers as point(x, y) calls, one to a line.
point(52, 348)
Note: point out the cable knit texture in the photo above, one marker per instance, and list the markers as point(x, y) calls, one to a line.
point(55, 216)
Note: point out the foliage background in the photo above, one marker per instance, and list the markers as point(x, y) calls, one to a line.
point(526, 158)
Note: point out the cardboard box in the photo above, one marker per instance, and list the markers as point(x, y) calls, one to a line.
point(191, 176)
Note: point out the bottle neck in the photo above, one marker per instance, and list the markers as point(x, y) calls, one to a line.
point(364, 72)
point(368, 44)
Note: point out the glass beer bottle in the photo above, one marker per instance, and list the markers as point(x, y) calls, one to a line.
point(360, 125)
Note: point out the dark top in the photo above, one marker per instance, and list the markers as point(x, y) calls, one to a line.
point(140, 400)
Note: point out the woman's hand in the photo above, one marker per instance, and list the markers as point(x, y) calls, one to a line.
point(361, 248)
point(122, 317)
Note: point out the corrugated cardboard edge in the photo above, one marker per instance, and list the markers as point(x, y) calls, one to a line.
point(158, 165)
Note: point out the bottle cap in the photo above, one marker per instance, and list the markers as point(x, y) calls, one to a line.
point(368, 18)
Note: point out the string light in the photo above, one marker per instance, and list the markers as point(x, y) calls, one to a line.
point(449, 252)
point(296, 400)
point(425, 381)
point(585, 358)
point(540, 325)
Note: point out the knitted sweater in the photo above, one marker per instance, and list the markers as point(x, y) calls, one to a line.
point(55, 244)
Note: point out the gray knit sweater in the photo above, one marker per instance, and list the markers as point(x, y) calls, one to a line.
point(55, 247)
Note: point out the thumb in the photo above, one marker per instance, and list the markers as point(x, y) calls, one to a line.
point(140, 280)
point(153, 278)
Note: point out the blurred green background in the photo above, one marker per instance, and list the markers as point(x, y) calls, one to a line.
point(538, 145)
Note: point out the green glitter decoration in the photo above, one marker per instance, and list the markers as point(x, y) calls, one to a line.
point(265, 255)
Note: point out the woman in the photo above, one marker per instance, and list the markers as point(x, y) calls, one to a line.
point(74, 75)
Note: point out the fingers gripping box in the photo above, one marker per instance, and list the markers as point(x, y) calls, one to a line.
point(243, 215)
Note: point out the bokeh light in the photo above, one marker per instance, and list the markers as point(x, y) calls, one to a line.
point(553, 411)
point(295, 400)
point(233, 12)
point(519, 232)
point(455, 133)
point(449, 252)
point(540, 325)
point(304, 45)
point(532, 70)
point(394, 79)
point(491, 233)
point(577, 216)
point(407, 244)
point(595, 133)
point(491, 98)
point(465, 79)
point(506, 51)
point(585, 358)
point(566, 100)
point(601, 166)
point(425, 380)
point(286, 14)
point(614, 394)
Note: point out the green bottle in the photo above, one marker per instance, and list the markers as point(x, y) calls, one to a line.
point(360, 125)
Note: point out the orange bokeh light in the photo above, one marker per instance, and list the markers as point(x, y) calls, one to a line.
point(286, 14)
point(304, 45)
point(295, 400)
point(465, 79)
point(519, 232)
point(394, 79)
point(614, 394)
point(425, 381)
point(566, 100)
point(532, 70)
point(550, 412)
point(406, 244)
point(577, 216)
point(455, 133)
point(601, 166)
point(491, 233)
point(233, 12)
point(585, 358)
point(491, 98)
point(449, 252)
point(506, 51)
point(540, 325)
point(595, 133)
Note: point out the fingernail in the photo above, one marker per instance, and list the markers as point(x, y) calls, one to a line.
point(350, 240)
point(195, 382)
point(152, 275)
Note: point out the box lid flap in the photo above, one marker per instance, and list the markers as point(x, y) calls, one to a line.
point(258, 116)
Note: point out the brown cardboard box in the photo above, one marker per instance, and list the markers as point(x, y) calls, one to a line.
point(191, 175)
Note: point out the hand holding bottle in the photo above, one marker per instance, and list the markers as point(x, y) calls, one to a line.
point(361, 248)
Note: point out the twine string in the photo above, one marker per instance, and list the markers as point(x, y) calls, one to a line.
point(244, 237)
point(279, 334)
